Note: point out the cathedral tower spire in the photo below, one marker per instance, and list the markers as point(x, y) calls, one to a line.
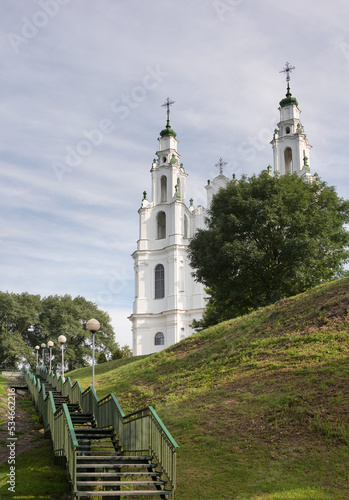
point(290, 144)
point(167, 298)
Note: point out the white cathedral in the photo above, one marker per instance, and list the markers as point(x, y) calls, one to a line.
point(167, 298)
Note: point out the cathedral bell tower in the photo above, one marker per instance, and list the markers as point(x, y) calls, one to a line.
point(167, 298)
point(290, 144)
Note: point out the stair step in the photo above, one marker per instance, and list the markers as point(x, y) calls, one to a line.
point(88, 414)
point(123, 493)
point(102, 440)
point(105, 432)
point(85, 436)
point(120, 483)
point(118, 474)
point(121, 458)
point(79, 416)
point(107, 451)
point(82, 420)
point(89, 453)
point(92, 447)
point(116, 465)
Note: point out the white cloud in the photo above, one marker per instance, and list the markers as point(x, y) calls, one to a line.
point(221, 68)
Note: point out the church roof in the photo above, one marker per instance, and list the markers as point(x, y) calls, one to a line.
point(288, 100)
point(168, 130)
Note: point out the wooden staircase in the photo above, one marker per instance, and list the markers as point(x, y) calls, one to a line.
point(103, 469)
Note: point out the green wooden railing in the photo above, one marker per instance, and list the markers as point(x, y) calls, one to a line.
point(64, 440)
point(141, 431)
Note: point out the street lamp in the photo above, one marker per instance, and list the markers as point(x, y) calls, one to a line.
point(43, 354)
point(62, 340)
point(37, 347)
point(50, 344)
point(93, 325)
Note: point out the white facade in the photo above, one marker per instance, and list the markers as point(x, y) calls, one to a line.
point(167, 298)
point(290, 144)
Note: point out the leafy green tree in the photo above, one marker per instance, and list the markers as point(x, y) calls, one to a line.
point(62, 315)
point(27, 320)
point(117, 353)
point(268, 237)
point(121, 352)
point(126, 351)
point(19, 319)
point(102, 358)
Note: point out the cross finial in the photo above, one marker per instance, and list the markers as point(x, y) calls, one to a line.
point(220, 165)
point(287, 69)
point(167, 105)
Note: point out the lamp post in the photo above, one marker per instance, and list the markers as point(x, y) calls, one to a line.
point(43, 354)
point(50, 344)
point(37, 347)
point(93, 325)
point(62, 340)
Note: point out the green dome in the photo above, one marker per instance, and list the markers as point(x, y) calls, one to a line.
point(288, 100)
point(168, 131)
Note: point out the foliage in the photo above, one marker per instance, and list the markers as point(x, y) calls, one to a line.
point(268, 237)
point(117, 354)
point(126, 351)
point(19, 320)
point(27, 320)
point(121, 352)
point(102, 358)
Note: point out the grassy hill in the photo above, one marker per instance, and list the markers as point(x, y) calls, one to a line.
point(259, 405)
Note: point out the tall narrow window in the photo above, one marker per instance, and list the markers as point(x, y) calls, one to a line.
point(163, 184)
point(161, 223)
point(185, 229)
point(159, 339)
point(159, 281)
point(179, 188)
point(288, 160)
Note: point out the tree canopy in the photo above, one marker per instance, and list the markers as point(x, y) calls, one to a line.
point(267, 238)
point(27, 320)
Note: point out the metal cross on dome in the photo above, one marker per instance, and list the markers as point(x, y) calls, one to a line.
point(220, 165)
point(167, 105)
point(287, 69)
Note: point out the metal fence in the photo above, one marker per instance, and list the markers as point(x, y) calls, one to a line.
point(140, 431)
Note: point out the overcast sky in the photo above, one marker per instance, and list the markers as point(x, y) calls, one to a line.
point(82, 84)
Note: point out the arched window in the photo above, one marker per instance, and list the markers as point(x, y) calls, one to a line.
point(161, 225)
point(179, 194)
point(159, 339)
point(185, 229)
point(163, 185)
point(288, 160)
point(159, 281)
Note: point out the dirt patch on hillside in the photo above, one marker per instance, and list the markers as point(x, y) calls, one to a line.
point(27, 436)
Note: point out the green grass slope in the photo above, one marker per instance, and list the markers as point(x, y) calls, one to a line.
point(259, 405)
